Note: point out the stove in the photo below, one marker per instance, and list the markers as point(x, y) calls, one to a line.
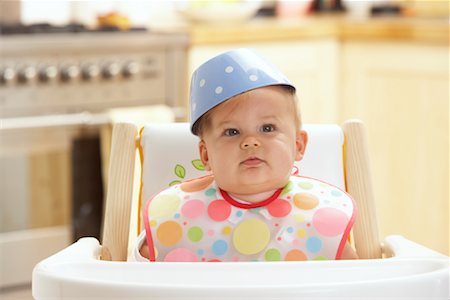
point(57, 87)
point(39, 28)
point(48, 69)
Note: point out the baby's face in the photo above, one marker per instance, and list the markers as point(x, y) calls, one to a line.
point(253, 141)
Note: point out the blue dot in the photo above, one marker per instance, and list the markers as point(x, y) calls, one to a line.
point(290, 229)
point(210, 192)
point(314, 244)
point(176, 216)
point(219, 247)
point(255, 210)
point(200, 251)
point(239, 213)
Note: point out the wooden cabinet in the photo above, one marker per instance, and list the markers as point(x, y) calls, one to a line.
point(401, 91)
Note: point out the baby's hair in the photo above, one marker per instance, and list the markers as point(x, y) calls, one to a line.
point(205, 121)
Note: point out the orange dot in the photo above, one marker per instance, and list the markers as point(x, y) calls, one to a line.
point(295, 255)
point(169, 233)
point(196, 184)
point(305, 201)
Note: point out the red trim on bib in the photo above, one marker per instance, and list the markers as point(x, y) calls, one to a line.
point(233, 202)
point(148, 233)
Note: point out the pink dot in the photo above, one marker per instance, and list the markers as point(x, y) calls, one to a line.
point(279, 208)
point(219, 210)
point(330, 221)
point(193, 209)
point(180, 254)
point(210, 232)
point(295, 242)
point(235, 258)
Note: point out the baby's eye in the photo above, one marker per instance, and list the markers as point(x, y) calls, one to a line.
point(231, 132)
point(267, 128)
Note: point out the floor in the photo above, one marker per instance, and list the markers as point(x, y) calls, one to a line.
point(19, 293)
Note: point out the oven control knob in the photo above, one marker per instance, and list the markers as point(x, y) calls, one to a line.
point(26, 74)
point(90, 71)
point(7, 75)
point(111, 70)
point(130, 69)
point(69, 72)
point(48, 73)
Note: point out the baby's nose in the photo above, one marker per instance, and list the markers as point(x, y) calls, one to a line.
point(250, 142)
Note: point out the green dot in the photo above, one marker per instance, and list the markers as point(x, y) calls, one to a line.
point(195, 234)
point(210, 192)
point(272, 255)
point(256, 210)
point(305, 185)
point(320, 258)
point(336, 193)
point(287, 188)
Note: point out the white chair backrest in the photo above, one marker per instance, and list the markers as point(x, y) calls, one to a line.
point(170, 154)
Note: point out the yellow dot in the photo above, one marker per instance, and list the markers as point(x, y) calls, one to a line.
point(299, 218)
point(301, 233)
point(153, 223)
point(163, 206)
point(251, 236)
point(226, 230)
point(156, 252)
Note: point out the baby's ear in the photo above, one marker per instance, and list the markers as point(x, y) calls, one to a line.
point(301, 140)
point(203, 151)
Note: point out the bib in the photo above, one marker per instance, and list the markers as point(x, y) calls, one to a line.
point(197, 221)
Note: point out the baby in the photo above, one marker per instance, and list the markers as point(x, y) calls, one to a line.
point(252, 206)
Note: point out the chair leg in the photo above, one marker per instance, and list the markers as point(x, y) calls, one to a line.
point(359, 186)
point(119, 192)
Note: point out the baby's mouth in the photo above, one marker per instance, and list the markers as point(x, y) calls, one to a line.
point(252, 161)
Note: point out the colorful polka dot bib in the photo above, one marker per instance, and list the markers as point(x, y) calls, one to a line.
point(196, 221)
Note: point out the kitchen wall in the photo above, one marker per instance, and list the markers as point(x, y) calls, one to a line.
point(140, 13)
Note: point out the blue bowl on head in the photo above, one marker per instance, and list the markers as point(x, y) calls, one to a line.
point(227, 75)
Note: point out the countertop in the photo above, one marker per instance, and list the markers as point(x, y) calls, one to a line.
point(429, 30)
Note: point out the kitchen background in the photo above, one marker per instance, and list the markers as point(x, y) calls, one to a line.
point(69, 69)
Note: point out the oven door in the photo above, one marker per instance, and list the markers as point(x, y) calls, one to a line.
point(38, 158)
point(53, 171)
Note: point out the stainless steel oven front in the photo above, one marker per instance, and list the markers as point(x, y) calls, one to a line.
point(55, 92)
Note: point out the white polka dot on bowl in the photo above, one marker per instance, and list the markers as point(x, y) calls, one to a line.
point(253, 77)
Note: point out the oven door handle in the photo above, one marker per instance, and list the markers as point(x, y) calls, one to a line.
point(138, 115)
point(59, 120)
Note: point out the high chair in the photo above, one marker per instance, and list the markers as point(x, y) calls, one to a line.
point(393, 268)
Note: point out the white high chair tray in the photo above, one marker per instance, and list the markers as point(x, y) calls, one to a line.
point(76, 273)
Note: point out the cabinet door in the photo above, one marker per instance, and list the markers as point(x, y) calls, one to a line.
point(310, 65)
point(401, 92)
